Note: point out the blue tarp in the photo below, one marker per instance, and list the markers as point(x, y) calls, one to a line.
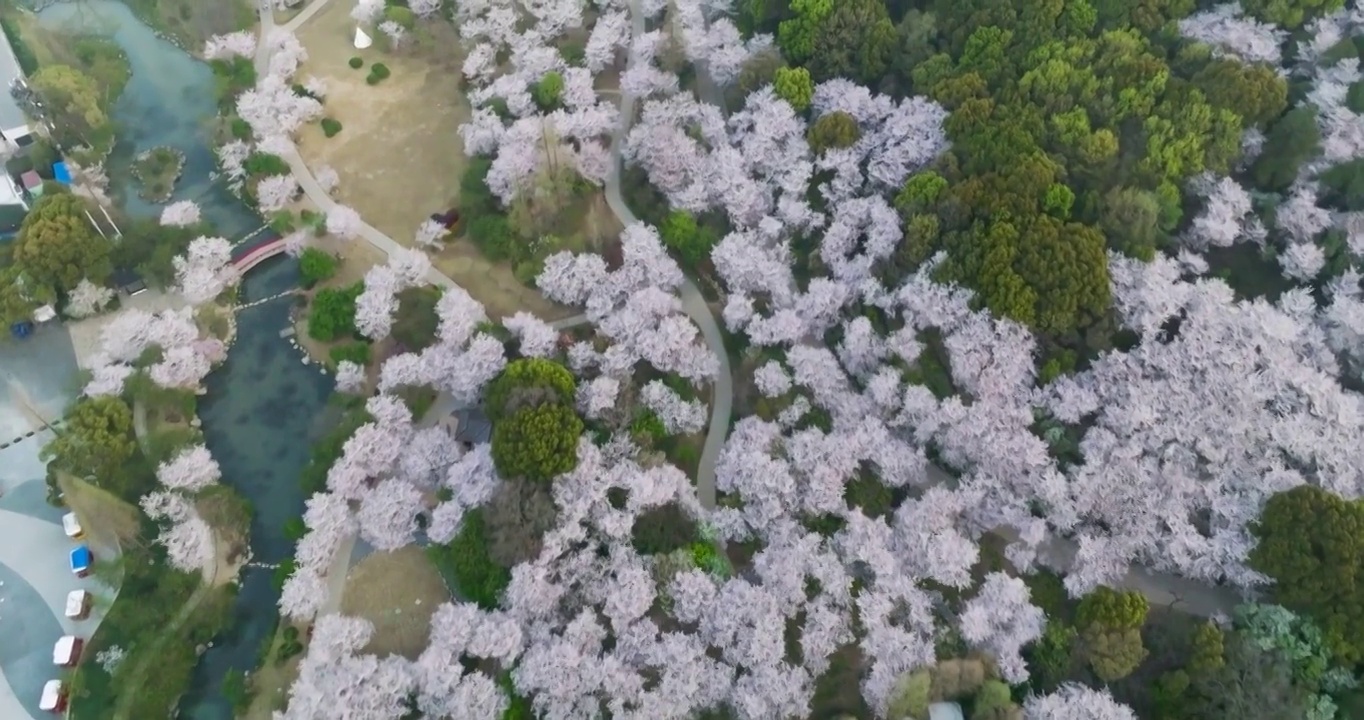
point(81, 558)
point(60, 173)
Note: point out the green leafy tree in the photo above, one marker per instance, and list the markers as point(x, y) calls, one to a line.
point(1344, 186)
point(796, 36)
point(332, 313)
point(467, 565)
point(1312, 543)
point(1130, 219)
point(795, 86)
point(96, 439)
point(20, 296)
point(529, 381)
point(537, 443)
point(1255, 92)
point(1253, 684)
point(1110, 631)
point(1290, 13)
point(854, 41)
point(57, 247)
point(1207, 652)
point(315, 266)
point(834, 130)
point(547, 91)
point(684, 236)
point(920, 193)
point(1290, 142)
point(75, 104)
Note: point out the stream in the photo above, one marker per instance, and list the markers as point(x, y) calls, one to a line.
point(264, 408)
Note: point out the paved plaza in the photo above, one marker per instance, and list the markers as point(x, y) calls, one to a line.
point(37, 381)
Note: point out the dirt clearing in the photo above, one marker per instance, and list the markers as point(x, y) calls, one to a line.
point(397, 591)
point(399, 154)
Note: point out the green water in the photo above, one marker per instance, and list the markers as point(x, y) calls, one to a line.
point(264, 407)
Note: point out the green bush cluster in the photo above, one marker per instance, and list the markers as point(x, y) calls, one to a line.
point(332, 313)
point(378, 72)
point(315, 266)
point(356, 63)
point(467, 566)
point(330, 126)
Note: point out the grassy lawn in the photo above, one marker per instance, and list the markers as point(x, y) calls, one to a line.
point(108, 520)
point(152, 594)
point(397, 591)
point(190, 22)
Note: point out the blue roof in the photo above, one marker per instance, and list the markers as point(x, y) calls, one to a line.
point(60, 173)
point(81, 558)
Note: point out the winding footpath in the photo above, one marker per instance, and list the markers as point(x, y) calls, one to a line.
point(1175, 592)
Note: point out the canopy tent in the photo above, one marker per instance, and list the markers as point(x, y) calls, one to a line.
point(54, 696)
point(81, 560)
point(72, 526)
point(67, 650)
point(362, 40)
point(77, 604)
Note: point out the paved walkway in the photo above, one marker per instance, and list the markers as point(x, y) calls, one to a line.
point(693, 302)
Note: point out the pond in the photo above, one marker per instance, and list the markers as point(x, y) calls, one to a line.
point(264, 407)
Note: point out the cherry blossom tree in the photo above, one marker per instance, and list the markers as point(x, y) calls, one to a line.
point(350, 377)
point(373, 688)
point(187, 538)
point(230, 45)
point(430, 233)
point(1076, 702)
point(344, 222)
point(108, 379)
point(1227, 216)
point(394, 32)
point(205, 270)
point(181, 213)
point(273, 193)
point(327, 178)
point(1001, 620)
point(191, 470)
point(424, 8)
point(536, 337)
point(1227, 29)
point(679, 416)
point(388, 514)
point(367, 11)
point(87, 299)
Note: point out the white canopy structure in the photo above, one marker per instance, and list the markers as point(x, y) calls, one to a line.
point(66, 651)
point(52, 695)
point(362, 40)
point(76, 603)
point(71, 525)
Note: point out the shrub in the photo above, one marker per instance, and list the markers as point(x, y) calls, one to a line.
point(467, 566)
point(377, 73)
point(240, 129)
point(333, 313)
point(507, 391)
point(356, 63)
point(493, 236)
point(356, 352)
point(401, 15)
point(294, 528)
point(546, 92)
point(316, 266)
point(330, 127)
point(537, 443)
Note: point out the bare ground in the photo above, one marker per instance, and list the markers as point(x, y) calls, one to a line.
point(109, 521)
point(399, 154)
point(397, 591)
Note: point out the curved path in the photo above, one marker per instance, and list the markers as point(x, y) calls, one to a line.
point(693, 302)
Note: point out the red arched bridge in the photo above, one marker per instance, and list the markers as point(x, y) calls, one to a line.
point(258, 254)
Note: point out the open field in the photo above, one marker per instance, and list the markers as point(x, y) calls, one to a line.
point(399, 153)
point(109, 521)
point(398, 592)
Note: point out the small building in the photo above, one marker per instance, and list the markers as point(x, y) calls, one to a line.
point(53, 699)
point(128, 281)
point(13, 203)
point(81, 560)
point(67, 651)
point(71, 525)
point(78, 604)
point(469, 426)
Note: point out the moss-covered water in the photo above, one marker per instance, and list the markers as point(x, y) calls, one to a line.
point(264, 407)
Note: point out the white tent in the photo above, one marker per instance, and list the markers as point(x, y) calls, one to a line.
point(52, 695)
point(66, 651)
point(72, 525)
point(362, 40)
point(77, 602)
